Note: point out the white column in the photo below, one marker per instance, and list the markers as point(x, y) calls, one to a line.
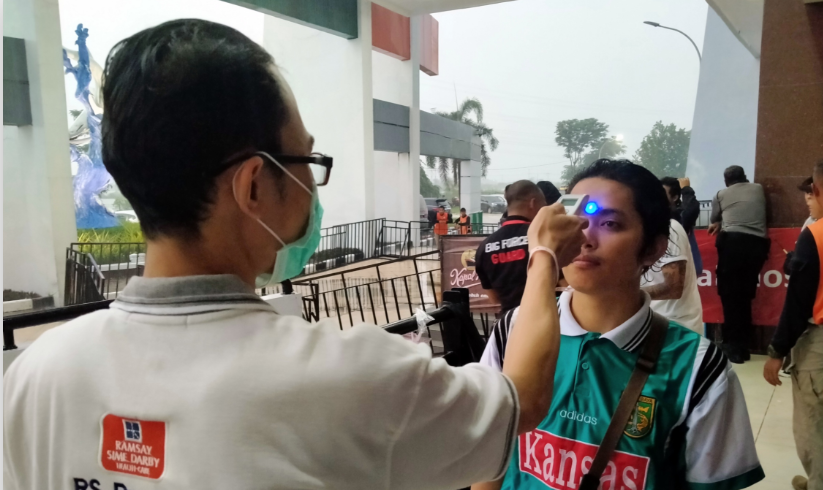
point(331, 78)
point(470, 173)
point(416, 32)
point(38, 202)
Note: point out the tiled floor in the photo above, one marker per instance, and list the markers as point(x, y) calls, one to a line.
point(770, 411)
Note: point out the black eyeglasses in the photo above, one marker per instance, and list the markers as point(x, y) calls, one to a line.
point(319, 164)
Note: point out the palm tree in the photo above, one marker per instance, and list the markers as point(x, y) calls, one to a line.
point(488, 142)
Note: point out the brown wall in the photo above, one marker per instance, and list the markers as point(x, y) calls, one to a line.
point(790, 110)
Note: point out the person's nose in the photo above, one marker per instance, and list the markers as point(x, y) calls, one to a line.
point(591, 237)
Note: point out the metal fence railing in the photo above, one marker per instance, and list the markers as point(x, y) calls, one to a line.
point(378, 294)
point(704, 218)
point(116, 263)
point(107, 266)
point(85, 280)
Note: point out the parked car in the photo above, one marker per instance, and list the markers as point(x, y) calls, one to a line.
point(493, 203)
point(433, 204)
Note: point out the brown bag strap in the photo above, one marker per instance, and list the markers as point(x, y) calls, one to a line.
point(644, 366)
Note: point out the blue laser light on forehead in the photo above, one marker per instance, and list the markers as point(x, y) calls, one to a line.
point(591, 208)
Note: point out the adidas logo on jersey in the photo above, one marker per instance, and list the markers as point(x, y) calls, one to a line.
point(578, 417)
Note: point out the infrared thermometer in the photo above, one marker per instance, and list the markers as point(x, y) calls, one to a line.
point(578, 204)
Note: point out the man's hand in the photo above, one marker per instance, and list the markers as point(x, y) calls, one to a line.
point(771, 371)
point(684, 182)
point(554, 229)
point(713, 228)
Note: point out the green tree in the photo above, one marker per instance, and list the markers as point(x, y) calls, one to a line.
point(446, 167)
point(427, 188)
point(584, 141)
point(664, 150)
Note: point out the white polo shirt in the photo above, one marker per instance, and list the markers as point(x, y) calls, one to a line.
point(688, 310)
point(196, 383)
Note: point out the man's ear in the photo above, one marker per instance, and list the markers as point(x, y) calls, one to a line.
point(246, 186)
point(661, 243)
point(815, 190)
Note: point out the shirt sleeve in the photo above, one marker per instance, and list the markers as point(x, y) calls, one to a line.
point(691, 211)
point(716, 216)
point(719, 452)
point(460, 429)
point(479, 267)
point(496, 345)
point(800, 296)
point(679, 248)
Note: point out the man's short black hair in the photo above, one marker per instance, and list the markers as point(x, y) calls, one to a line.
point(522, 191)
point(734, 175)
point(462, 209)
point(180, 99)
point(673, 184)
point(806, 185)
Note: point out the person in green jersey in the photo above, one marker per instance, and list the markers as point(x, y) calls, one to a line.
point(690, 427)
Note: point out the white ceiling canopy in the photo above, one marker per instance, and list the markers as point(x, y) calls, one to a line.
point(415, 7)
point(744, 18)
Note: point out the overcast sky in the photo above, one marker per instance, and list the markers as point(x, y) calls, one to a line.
point(533, 63)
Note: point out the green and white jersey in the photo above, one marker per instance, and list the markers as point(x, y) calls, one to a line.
point(690, 423)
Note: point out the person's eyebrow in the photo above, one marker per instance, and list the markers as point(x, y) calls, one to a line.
point(610, 212)
point(311, 143)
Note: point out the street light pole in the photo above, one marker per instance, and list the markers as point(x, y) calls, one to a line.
point(655, 24)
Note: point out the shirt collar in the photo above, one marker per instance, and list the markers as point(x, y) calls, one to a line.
point(516, 217)
point(187, 295)
point(628, 336)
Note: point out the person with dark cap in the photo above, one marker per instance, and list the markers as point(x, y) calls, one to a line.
point(738, 219)
point(503, 257)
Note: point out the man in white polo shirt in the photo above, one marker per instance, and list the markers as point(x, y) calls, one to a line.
point(672, 281)
point(189, 380)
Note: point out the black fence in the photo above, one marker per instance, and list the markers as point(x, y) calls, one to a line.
point(379, 293)
point(99, 271)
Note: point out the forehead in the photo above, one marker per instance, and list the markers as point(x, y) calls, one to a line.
point(608, 194)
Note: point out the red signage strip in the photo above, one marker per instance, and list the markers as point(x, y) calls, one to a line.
point(771, 292)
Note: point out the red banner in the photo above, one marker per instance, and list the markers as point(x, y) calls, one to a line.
point(771, 291)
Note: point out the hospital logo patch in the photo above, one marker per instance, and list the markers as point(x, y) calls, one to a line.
point(134, 447)
point(640, 421)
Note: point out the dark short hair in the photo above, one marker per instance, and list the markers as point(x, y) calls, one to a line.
point(734, 175)
point(650, 199)
point(673, 184)
point(181, 98)
point(549, 191)
point(442, 207)
point(806, 185)
point(462, 209)
point(522, 191)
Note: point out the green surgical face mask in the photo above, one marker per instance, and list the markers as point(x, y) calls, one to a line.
point(292, 257)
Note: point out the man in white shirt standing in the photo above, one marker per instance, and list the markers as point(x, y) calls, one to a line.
point(672, 282)
point(190, 380)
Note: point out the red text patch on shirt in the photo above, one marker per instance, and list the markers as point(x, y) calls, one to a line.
point(134, 447)
point(560, 463)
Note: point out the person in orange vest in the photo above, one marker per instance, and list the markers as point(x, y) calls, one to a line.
point(800, 331)
point(441, 227)
point(464, 222)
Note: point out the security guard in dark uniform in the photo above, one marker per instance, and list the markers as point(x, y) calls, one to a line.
point(503, 257)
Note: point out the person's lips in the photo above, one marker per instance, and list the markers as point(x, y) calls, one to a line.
point(586, 261)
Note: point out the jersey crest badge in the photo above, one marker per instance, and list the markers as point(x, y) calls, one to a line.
point(640, 421)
